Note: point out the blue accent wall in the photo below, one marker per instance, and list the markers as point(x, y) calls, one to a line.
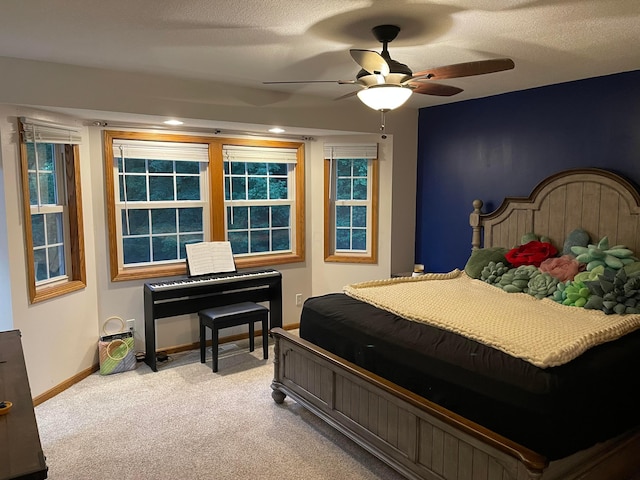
point(505, 145)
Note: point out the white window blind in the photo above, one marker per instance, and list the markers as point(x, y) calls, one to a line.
point(39, 131)
point(152, 150)
point(241, 153)
point(350, 150)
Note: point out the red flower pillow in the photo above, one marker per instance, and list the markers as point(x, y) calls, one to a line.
point(532, 253)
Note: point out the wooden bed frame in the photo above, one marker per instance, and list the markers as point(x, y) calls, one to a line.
point(422, 440)
point(599, 201)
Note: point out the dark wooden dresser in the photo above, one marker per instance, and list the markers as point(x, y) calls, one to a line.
point(21, 454)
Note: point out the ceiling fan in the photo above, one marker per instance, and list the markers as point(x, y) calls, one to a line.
point(387, 84)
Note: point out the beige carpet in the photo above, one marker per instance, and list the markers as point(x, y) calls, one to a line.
point(185, 422)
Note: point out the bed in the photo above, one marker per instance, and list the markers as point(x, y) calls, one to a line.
point(440, 404)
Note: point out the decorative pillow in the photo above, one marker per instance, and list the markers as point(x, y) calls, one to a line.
point(530, 237)
point(589, 276)
point(481, 258)
point(632, 268)
point(578, 237)
point(563, 268)
point(532, 253)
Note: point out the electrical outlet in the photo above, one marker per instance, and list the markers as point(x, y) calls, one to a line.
point(131, 324)
point(298, 299)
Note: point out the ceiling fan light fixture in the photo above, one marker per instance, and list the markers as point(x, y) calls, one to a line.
point(384, 97)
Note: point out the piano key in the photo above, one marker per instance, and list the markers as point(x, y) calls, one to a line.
point(225, 278)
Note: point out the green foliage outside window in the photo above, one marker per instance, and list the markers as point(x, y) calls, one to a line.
point(48, 245)
point(47, 228)
point(254, 223)
point(160, 234)
point(153, 233)
point(42, 177)
point(351, 219)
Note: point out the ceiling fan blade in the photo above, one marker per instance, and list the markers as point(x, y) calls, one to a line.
point(467, 69)
point(438, 89)
point(371, 61)
point(347, 95)
point(340, 82)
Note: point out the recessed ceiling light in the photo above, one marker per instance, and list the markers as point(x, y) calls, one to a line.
point(173, 122)
point(276, 130)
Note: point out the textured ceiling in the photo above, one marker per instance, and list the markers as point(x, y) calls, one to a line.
point(245, 43)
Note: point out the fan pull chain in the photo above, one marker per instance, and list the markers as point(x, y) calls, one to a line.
point(382, 123)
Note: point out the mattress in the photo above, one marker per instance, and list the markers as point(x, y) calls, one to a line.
point(554, 411)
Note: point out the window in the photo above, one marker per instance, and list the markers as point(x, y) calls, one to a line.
point(351, 203)
point(259, 185)
point(161, 200)
point(52, 209)
point(165, 191)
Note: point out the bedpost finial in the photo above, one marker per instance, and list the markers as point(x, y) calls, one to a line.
point(474, 222)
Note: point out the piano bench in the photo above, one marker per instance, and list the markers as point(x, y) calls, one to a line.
point(233, 315)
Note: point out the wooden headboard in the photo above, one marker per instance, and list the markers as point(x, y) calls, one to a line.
point(599, 201)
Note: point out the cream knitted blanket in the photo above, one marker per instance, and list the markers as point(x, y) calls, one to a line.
point(542, 332)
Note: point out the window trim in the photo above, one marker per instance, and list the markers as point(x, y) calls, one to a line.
point(217, 227)
point(74, 245)
point(119, 273)
point(330, 254)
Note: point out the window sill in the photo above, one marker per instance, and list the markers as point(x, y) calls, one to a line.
point(45, 293)
point(350, 259)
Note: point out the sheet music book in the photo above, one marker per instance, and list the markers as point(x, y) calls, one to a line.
point(209, 257)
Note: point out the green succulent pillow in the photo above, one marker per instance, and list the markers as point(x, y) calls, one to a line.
point(530, 237)
point(632, 268)
point(481, 257)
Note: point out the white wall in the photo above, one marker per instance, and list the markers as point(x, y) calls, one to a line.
point(59, 336)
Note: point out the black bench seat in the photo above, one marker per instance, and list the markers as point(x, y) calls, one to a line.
point(233, 315)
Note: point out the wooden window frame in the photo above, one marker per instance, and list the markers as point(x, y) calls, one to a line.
point(76, 277)
point(298, 228)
